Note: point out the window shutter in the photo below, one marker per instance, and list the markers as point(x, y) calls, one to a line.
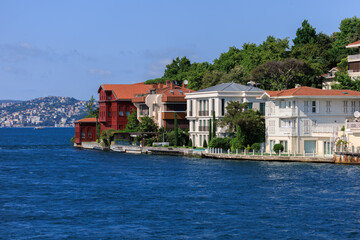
point(317, 106)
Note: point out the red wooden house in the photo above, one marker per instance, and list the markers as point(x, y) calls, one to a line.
point(85, 130)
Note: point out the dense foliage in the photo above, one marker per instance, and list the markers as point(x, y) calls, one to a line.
point(278, 148)
point(249, 125)
point(223, 143)
point(274, 64)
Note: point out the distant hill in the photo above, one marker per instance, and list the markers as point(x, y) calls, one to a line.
point(45, 111)
point(10, 101)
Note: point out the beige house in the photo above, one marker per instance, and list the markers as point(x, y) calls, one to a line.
point(201, 104)
point(307, 120)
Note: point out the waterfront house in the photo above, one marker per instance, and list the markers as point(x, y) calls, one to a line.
point(202, 103)
point(115, 103)
point(307, 120)
point(85, 130)
point(162, 102)
point(115, 106)
point(354, 60)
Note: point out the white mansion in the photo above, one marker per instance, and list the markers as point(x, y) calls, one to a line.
point(307, 120)
point(201, 104)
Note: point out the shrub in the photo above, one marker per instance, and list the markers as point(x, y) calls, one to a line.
point(343, 128)
point(278, 147)
point(235, 144)
point(72, 140)
point(190, 143)
point(154, 145)
point(165, 145)
point(205, 144)
point(223, 143)
point(256, 146)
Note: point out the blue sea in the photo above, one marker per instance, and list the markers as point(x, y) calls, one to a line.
point(50, 190)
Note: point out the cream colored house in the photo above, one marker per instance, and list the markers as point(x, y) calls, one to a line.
point(354, 60)
point(307, 120)
point(201, 104)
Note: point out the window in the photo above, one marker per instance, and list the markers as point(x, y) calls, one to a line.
point(249, 105)
point(345, 106)
point(154, 107)
point(262, 108)
point(328, 106)
point(83, 135)
point(121, 113)
point(153, 92)
point(327, 147)
point(306, 106)
point(222, 107)
point(109, 114)
point(282, 104)
point(89, 134)
point(293, 104)
point(314, 123)
point(272, 143)
point(289, 104)
point(109, 97)
point(313, 107)
point(191, 108)
point(193, 126)
point(127, 113)
point(285, 145)
point(271, 126)
point(306, 126)
point(353, 103)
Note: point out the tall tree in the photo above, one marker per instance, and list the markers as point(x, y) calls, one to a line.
point(176, 140)
point(305, 34)
point(214, 125)
point(210, 132)
point(251, 123)
point(132, 122)
point(147, 124)
point(281, 75)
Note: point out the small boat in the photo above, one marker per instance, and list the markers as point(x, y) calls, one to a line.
point(37, 128)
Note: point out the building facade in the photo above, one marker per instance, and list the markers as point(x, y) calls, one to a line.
point(307, 120)
point(115, 103)
point(85, 130)
point(201, 105)
point(354, 60)
point(162, 102)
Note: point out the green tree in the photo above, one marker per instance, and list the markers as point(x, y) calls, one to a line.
point(90, 108)
point(147, 124)
point(133, 123)
point(305, 34)
point(251, 125)
point(214, 125)
point(210, 132)
point(205, 144)
point(176, 130)
point(281, 75)
point(344, 81)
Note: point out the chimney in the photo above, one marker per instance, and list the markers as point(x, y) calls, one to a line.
point(297, 85)
point(172, 85)
point(168, 83)
point(184, 85)
point(160, 85)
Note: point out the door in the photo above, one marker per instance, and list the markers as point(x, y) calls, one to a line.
point(310, 146)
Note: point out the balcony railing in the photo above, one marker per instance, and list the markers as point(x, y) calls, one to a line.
point(203, 128)
point(353, 125)
point(203, 113)
point(352, 58)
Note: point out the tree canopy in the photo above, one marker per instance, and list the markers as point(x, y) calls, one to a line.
point(311, 55)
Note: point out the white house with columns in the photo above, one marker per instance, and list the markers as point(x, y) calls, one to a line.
point(307, 120)
point(202, 103)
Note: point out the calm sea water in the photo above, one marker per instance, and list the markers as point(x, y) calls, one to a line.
point(50, 190)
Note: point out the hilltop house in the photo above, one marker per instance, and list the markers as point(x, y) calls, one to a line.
point(202, 103)
point(354, 60)
point(307, 120)
point(162, 103)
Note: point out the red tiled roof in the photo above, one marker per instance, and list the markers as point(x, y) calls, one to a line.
point(354, 43)
point(309, 91)
point(127, 91)
point(175, 91)
point(87, 120)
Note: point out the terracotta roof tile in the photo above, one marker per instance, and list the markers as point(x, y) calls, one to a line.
point(127, 91)
point(354, 43)
point(90, 120)
point(309, 91)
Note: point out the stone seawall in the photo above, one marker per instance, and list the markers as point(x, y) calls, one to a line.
point(347, 158)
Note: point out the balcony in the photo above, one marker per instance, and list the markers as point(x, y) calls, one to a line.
point(354, 58)
point(203, 113)
point(288, 112)
point(166, 115)
point(203, 128)
point(353, 125)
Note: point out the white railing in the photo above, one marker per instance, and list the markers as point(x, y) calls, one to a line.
point(353, 125)
point(321, 129)
point(354, 57)
point(288, 112)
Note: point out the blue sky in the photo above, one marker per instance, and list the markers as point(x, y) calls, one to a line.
point(70, 48)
